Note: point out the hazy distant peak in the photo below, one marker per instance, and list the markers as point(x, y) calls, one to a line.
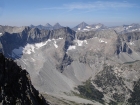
point(84, 24)
point(31, 25)
point(57, 24)
point(48, 25)
point(81, 25)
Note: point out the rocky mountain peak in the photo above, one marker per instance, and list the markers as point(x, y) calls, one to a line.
point(48, 25)
point(57, 26)
point(82, 25)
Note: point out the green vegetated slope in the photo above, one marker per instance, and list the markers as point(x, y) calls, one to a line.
point(88, 91)
point(115, 87)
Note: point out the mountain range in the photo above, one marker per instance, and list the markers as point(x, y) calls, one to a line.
point(93, 27)
point(47, 26)
point(89, 64)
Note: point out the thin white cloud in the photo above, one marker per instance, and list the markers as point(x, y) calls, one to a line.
point(93, 5)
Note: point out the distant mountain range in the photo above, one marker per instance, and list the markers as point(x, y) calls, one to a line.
point(127, 28)
point(47, 26)
point(85, 27)
point(93, 27)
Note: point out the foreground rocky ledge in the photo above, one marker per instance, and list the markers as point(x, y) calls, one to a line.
point(15, 85)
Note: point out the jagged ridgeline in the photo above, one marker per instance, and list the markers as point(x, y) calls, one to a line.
point(60, 60)
point(15, 85)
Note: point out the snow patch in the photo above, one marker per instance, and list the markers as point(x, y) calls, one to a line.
point(131, 43)
point(80, 42)
point(60, 38)
point(129, 26)
point(102, 41)
point(49, 40)
point(85, 41)
point(29, 48)
point(97, 27)
point(72, 47)
point(0, 33)
point(88, 27)
point(38, 45)
point(134, 29)
point(56, 46)
point(79, 28)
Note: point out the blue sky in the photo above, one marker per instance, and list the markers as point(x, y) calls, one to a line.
point(69, 12)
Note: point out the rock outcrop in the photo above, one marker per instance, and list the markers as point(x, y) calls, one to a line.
point(15, 85)
point(10, 41)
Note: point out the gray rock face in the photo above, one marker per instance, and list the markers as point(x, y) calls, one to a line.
point(11, 29)
point(83, 27)
point(15, 85)
point(127, 28)
point(57, 26)
point(80, 26)
point(98, 26)
point(66, 58)
point(33, 35)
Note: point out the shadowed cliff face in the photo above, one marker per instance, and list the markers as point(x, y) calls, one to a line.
point(10, 41)
point(15, 85)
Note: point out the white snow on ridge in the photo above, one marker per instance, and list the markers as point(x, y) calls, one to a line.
point(79, 28)
point(38, 45)
point(88, 27)
point(29, 48)
point(134, 29)
point(97, 27)
point(0, 33)
point(71, 47)
point(80, 42)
